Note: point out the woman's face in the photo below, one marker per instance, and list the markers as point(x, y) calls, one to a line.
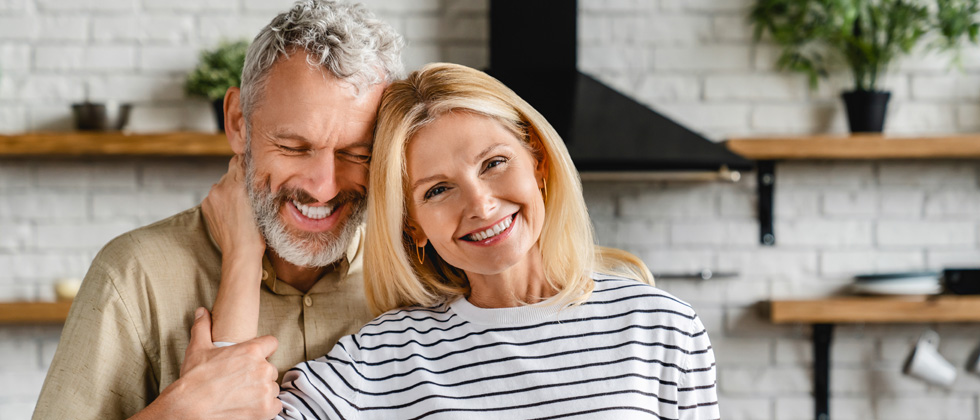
point(474, 193)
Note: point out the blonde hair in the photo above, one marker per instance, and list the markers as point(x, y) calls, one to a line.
point(393, 275)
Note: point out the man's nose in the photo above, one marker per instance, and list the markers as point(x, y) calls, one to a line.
point(321, 177)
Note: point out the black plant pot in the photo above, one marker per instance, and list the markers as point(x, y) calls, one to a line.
point(866, 110)
point(219, 112)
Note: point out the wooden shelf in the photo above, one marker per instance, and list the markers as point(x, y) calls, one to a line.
point(33, 312)
point(906, 309)
point(861, 146)
point(77, 144)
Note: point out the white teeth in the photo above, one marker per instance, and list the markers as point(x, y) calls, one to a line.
point(311, 212)
point(492, 231)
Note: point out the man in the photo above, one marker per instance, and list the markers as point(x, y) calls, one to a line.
point(302, 122)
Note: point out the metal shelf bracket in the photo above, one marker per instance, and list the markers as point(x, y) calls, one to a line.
point(766, 173)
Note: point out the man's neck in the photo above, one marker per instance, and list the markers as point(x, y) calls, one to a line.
point(302, 278)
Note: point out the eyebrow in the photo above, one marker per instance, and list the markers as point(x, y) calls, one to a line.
point(479, 157)
point(286, 134)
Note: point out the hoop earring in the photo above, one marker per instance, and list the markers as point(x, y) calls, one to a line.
point(420, 257)
point(544, 191)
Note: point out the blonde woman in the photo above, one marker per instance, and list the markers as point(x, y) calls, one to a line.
point(494, 300)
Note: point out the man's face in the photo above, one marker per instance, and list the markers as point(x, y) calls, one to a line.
point(309, 144)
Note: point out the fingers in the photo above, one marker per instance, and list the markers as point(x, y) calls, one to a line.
point(200, 331)
point(263, 346)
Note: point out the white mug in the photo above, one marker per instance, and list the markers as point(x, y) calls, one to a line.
point(925, 362)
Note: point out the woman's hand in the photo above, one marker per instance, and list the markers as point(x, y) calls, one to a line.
point(229, 215)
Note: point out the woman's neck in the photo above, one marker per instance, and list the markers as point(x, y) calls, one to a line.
point(524, 283)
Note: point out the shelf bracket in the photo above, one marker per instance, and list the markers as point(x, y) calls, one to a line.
point(822, 336)
point(766, 173)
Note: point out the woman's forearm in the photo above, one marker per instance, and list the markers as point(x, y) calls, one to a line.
point(236, 309)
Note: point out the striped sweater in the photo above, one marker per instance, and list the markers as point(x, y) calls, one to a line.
point(631, 351)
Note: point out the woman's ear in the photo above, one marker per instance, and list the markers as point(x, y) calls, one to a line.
point(416, 233)
point(540, 157)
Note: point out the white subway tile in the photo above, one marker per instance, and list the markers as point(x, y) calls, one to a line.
point(663, 88)
point(763, 380)
point(18, 28)
point(15, 236)
point(850, 203)
point(842, 407)
point(769, 262)
point(73, 236)
point(168, 59)
point(711, 6)
point(92, 175)
point(47, 205)
point(790, 203)
point(911, 117)
point(116, 28)
point(965, 258)
point(192, 5)
point(799, 118)
point(402, 6)
point(18, 409)
point(694, 203)
point(641, 232)
point(946, 203)
point(16, 174)
point(147, 204)
point(87, 5)
point(16, 57)
point(71, 28)
point(928, 174)
point(917, 407)
point(168, 29)
point(836, 263)
point(676, 261)
point(193, 175)
point(51, 118)
point(708, 116)
point(703, 58)
point(663, 29)
point(618, 57)
point(755, 87)
point(13, 119)
point(925, 233)
point(214, 28)
point(134, 88)
point(855, 175)
point(732, 28)
point(102, 57)
point(476, 56)
point(13, 5)
point(742, 351)
point(466, 6)
point(907, 202)
point(824, 233)
point(714, 233)
point(745, 407)
point(945, 87)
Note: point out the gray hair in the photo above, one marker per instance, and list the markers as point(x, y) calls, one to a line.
point(346, 39)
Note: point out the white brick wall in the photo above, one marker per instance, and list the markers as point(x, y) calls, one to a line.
point(691, 59)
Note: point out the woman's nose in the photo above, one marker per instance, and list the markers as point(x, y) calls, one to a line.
point(481, 203)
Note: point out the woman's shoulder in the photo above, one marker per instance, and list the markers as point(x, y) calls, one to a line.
point(409, 318)
point(635, 295)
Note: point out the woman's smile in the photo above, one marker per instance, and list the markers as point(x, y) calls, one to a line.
point(496, 233)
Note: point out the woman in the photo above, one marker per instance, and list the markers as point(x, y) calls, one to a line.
point(495, 300)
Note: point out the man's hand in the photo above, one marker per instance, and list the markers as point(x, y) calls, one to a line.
point(235, 382)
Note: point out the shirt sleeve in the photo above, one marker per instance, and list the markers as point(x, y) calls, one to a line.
point(325, 388)
point(100, 369)
point(697, 394)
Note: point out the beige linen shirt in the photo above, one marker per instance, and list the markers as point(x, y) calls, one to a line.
point(127, 330)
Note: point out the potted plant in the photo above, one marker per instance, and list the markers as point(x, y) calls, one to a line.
point(218, 70)
point(867, 35)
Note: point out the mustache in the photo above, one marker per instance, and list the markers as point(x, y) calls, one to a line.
point(286, 194)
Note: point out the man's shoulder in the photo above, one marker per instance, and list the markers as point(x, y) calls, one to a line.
point(178, 232)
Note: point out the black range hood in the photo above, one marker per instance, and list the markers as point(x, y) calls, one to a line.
point(534, 51)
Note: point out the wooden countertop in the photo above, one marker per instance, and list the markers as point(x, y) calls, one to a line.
point(33, 312)
point(77, 144)
point(877, 309)
point(857, 146)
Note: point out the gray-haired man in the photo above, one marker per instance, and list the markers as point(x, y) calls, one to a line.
point(303, 122)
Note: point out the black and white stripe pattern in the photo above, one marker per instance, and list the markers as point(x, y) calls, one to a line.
point(630, 351)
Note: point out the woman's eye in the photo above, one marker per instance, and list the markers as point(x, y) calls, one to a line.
point(434, 191)
point(495, 162)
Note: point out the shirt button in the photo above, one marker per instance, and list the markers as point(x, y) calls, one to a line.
point(265, 275)
point(308, 301)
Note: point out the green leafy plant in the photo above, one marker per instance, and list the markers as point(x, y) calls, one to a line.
point(868, 35)
point(218, 70)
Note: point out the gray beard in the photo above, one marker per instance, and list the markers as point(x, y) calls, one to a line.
point(303, 249)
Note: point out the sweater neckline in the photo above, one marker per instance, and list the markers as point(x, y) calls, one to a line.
point(546, 310)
